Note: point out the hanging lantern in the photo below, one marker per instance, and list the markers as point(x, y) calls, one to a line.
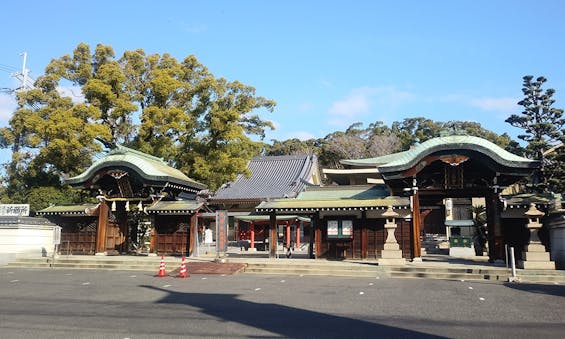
point(127, 206)
point(113, 206)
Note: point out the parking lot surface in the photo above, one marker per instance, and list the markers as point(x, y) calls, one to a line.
point(57, 303)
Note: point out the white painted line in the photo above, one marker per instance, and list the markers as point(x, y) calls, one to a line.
point(370, 284)
point(470, 287)
point(10, 272)
point(361, 293)
point(302, 275)
point(165, 286)
point(204, 278)
point(14, 281)
point(555, 283)
point(258, 289)
point(85, 283)
point(377, 278)
point(481, 299)
point(282, 281)
point(133, 276)
point(68, 274)
point(462, 280)
point(223, 275)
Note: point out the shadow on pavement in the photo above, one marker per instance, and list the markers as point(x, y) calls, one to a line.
point(556, 290)
point(283, 320)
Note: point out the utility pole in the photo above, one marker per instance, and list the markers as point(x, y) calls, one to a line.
point(23, 76)
point(24, 70)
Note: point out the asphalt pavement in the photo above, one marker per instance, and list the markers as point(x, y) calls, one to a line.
point(46, 303)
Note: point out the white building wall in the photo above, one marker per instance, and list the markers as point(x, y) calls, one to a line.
point(33, 240)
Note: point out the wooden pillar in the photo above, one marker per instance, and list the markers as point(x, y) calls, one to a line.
point(287, 234)
point(102, 225)
point(193, 229)
point(494, 228)
point(273, 241)
point(364, 249)
point(416, 227)
point(313, 223)
point(317, 237)
point(298, 227)
point(252, 234)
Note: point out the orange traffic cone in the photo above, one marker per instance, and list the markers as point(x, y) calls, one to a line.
point(162, 268)
point(182, 273)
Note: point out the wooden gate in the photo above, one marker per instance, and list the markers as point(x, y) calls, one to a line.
point(172, 243)
point(115, 239)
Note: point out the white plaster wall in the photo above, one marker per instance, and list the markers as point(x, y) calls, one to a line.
point(32, 240)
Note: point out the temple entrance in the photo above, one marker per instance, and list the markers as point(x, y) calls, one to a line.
point(115, 238)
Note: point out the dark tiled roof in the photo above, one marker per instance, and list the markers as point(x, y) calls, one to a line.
point(272, 177)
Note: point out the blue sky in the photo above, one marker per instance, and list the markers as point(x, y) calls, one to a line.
point(328, 64)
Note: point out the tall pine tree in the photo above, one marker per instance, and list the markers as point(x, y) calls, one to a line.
point(543, 127)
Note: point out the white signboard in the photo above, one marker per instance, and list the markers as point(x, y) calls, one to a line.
point(14, 210)
point(332, 227)
point(208, 236)
point(57, 235)
point(347, 227)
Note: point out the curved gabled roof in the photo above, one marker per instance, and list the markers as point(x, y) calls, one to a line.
point(149, 168)
point(407, 159)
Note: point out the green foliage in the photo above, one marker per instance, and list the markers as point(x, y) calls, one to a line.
point(44, 196)
point(199, 123)
point(544, 129)
point(292, 146)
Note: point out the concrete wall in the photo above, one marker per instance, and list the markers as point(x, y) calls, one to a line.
point(26, 236)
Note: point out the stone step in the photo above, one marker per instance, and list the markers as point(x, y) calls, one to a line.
point(88, 263)
point(312, 266)
point(452, 270)
point(445, 276)
point(322, 272)
point(538, 278)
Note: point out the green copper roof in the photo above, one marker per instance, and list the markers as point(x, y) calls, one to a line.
point(175, 207)
point(357, 192)
point(79, 210)
point(335, 198)
point(147, 166)
point(407, 159)
point(266, 218)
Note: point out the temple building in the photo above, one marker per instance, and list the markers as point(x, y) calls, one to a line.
point(379, 208)
point(417, 190)
point(270, 177)
point(143, 204)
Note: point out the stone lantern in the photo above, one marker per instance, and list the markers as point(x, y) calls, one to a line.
point(391, 253)
point(534, 255)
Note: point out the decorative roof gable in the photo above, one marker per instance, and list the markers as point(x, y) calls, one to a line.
point(404, 160)
point(151, 169)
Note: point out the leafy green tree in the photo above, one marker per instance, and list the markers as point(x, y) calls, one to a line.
point(543, 127)
point(222, 147)
point(49, 135)
point(420, 129)
point(176, 110)
point(292, 146)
